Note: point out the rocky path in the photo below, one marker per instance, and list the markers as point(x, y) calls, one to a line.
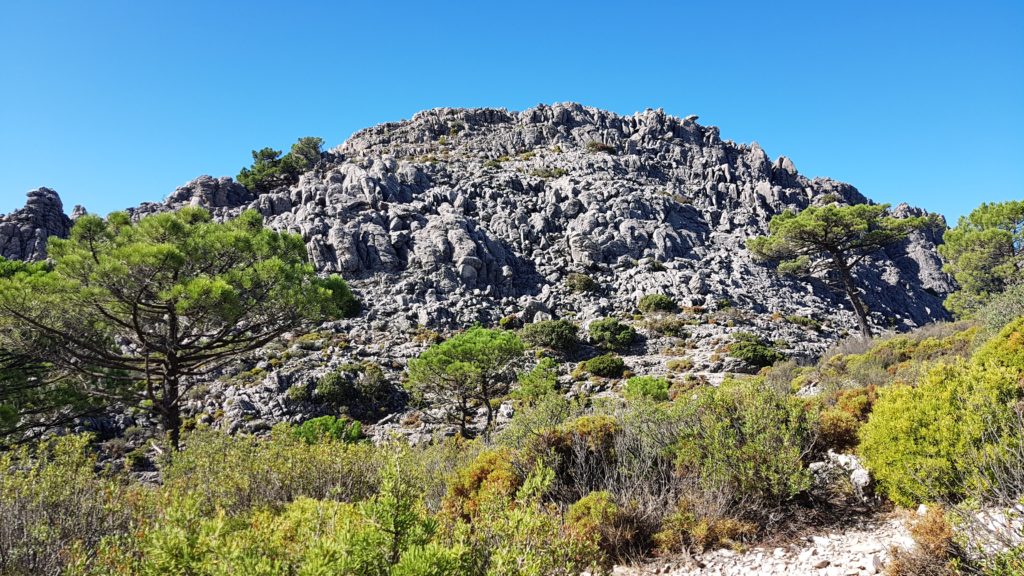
point(860, 549)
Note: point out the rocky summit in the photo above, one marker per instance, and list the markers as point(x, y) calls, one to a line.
point(460, 216)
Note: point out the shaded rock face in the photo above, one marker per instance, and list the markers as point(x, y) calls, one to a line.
point(23, 233)
point(465, 215)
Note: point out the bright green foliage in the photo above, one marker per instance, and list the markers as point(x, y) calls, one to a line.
point(559, 335)
point(606, 365)
point(611, 334)
point(748, 439)
point(475, 366)
point(270, 170)
point(752, 349)
point(539, 382)
point(329, 427)
point(148, 308)
point(984, 253)
point(919, 441)
point(647, 387)
point(656, 303)
point(835, 238)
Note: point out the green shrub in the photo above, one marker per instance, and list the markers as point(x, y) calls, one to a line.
point(611, 334)
point(606, 366)
point(921, 441)
point(743, 442)
point(538, 383)
point(560, 335)
point(691, 527)
point(805, 322)
point(597, 518)
point(649, 387)
point(581, 283)
point(52, 503)
point(362, 388)
point(656, 303)
point(328, 428)
point(238, 473)
point(753, 350)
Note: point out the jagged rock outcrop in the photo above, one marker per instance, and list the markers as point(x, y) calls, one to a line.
point(23, 233)
point(462, 215)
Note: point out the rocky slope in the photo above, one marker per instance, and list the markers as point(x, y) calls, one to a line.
point(460, 216)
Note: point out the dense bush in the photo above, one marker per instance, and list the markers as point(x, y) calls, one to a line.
point(753, 350)
point(647, 387)
point(52, 503)
point(919, 440)
point(611, 334)
point(656, 303)
point(578, 282)
point(559, 335)
point(360, 388)
point(606, 365)
point(744, 441)
point(328, 428)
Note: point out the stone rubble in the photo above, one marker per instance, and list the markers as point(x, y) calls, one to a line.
point(860, 549)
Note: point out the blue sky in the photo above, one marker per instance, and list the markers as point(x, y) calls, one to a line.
point(114, 103)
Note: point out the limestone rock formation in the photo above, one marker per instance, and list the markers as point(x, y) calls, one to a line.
point(23, 233)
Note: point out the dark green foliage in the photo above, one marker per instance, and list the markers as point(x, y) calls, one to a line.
point(270, 170)
point(329, 427)
point(836, 238)
point(362, 388)
point(611, 334)
point(648, 387)
point(656, 303)
point(752, 349)
point(475, 366)
point(606, 365)
point(142, 311)
point(804, 321)
point(984, 252)
point(581, 283)
point(559, 335)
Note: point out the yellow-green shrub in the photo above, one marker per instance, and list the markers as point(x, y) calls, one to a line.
point(918, 440)
point(598, 518)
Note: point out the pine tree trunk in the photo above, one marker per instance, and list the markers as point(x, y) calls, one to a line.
point(851, 292)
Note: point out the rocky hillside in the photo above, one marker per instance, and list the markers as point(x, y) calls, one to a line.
point(471, 215)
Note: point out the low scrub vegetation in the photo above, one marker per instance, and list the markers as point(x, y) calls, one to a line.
point(611, 334)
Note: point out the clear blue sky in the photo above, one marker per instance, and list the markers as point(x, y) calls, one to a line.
point(114, 103)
